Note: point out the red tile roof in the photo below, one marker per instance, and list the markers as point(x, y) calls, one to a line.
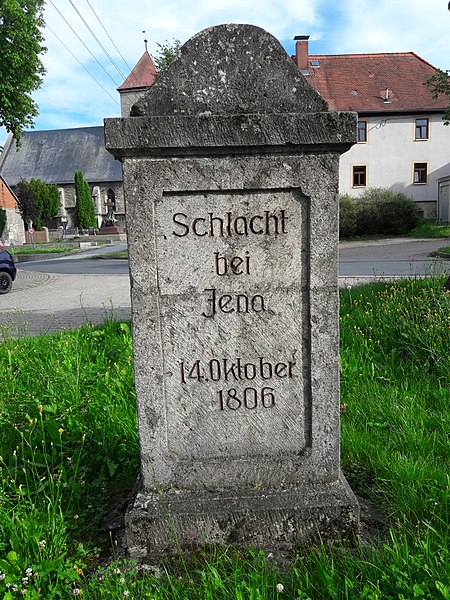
point(358, 82)
point(142, 76)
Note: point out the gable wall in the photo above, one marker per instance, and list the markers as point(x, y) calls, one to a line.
point(7, 199)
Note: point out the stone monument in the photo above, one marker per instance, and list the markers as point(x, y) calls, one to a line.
point(230, 168)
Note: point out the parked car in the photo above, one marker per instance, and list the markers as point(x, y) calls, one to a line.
point(7, 271)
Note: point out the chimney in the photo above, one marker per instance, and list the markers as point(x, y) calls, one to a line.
point(301, 52)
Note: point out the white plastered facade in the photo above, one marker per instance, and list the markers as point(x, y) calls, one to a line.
point(390, 153)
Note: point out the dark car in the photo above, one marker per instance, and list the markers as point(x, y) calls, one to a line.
point(7, 271)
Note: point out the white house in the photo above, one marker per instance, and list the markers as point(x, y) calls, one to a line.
point(403, 143)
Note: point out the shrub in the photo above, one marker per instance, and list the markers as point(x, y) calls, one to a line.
point(377, 211)
point(347, 216)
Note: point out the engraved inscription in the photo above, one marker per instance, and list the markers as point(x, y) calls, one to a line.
point(266, 223)
point(224, 369)
point(239, 303)
point(236, 265)
point(250, 398)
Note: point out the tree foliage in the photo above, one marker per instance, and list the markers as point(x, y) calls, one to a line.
point(166, 54)
point(46, 198)
point(27, 205)
point(84, 203)
point(38, 201)
point(440, 86)
point(21, 69)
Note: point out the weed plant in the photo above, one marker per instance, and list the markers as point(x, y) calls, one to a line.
point(69, 442)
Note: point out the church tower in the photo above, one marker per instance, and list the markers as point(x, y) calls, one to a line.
point(141, 78)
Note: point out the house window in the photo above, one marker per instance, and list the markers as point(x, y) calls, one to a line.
point(422, 126)
point(362, 132)
point(359, 176)
point(420, 173)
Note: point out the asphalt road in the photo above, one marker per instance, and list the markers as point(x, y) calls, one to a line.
point(83, 263)
point(395, 257)
point(81, 266)
point(51, 295)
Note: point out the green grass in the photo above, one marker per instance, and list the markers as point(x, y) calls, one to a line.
point(69, 442)
point(445, 250)
point(430, 229)
point(43, 249)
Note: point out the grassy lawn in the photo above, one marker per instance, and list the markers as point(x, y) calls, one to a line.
point(430, 229)
point(69, 442)
point(44, 249)
point(50, 248)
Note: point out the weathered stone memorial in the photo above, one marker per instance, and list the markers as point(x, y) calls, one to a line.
point(230, 166)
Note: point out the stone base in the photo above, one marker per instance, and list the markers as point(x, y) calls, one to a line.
point(165, 523)
point(110, 230)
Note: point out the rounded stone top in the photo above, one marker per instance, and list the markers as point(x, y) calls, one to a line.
point(228, 70)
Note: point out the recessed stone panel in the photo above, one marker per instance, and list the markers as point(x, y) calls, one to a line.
point(233, 290)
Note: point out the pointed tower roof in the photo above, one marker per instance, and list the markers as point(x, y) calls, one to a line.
point(142, 76)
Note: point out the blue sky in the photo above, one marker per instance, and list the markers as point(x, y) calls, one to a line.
point(70, 97)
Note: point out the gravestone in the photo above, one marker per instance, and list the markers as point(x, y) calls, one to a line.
point(230, 166)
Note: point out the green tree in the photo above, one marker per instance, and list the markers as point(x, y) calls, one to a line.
point(166, 54)
point(38, 201)
point(27, 205)
point(440, 86)
point(84, 203)
point(46, 198)
point(21, 69)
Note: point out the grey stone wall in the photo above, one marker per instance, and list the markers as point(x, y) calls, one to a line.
point(14, 230)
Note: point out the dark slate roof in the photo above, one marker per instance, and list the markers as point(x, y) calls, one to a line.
point(54, 156)
point(358, 82)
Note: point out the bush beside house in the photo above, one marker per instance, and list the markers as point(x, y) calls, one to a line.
point(377, 211)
